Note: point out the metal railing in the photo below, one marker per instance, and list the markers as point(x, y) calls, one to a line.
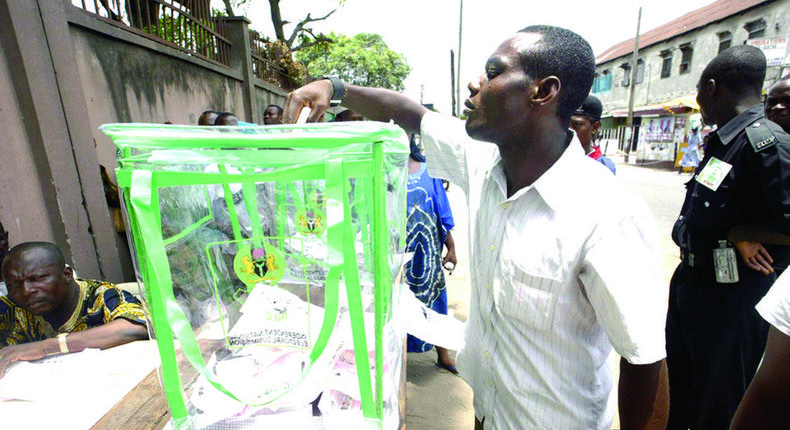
point(187, 25)
point(263, 66)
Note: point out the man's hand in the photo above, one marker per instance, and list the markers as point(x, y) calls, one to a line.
point(26, 352)
point(755, 256)
point(315, 95)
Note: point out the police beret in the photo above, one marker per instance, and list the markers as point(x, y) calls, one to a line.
point(591, 107)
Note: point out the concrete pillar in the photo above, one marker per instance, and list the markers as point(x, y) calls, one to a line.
point(35, 40)
point(238, 32)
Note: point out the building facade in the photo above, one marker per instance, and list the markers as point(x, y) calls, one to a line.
point(670, 60)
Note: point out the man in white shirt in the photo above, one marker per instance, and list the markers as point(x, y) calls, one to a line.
point(764, 406)
point(559, 276)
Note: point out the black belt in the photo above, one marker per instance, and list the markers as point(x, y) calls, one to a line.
point(697, 259)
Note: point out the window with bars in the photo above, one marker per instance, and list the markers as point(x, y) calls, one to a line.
point(725, 40)
point(666, 64)
point(756, 29)
point(626, 74)
point(686, 52)
point(640, 71)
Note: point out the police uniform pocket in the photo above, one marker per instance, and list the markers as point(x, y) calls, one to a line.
point(710, 199)
point(529, 298)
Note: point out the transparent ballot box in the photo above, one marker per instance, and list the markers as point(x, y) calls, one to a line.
point(271, 262)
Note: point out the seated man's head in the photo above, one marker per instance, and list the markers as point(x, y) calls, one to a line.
point(777, 105)
point(208, 117)
point(273, 115)
point(226, 118)
point(586, 121)
point(38, 278)
point(348, 115)
point(541, 74)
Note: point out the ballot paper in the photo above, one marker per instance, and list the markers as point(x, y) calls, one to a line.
point(91, 382)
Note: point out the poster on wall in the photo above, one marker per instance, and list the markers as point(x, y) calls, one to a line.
point(774, 48)
point(659, 129)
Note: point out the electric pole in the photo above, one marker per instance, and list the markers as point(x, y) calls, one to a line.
point(634, 67)
point(452, 83)
point(458, 82)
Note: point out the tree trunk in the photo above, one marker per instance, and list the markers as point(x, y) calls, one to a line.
point(228, 8)
point(277, 21)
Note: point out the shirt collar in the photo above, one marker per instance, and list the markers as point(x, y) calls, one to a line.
point(737, 124)
point(556, 186)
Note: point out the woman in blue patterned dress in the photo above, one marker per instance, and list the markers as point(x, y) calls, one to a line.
point(428, 224)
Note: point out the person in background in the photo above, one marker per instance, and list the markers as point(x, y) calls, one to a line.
point(736, 207)
point(273, 115)
point(548, 299)
point(691, 156)
point(3, 253)
point(49, 311)
point(348, 115)
point(586, 122)
point(226, 119)
point(777, 104)
point(208, 117)
point(765, 404)
point(428, 224)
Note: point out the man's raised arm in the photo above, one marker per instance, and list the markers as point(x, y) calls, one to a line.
point(373, 103)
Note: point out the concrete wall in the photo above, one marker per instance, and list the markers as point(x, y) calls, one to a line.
point(705, 42)
point(131, 84)
point(23, 207)
point(63, 73)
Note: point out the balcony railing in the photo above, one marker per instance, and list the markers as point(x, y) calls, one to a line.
point(187, 25)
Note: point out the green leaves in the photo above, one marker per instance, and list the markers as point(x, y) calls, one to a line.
point(364, 59)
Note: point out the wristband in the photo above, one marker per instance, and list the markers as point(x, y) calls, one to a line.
point(64, 346)
point(338, 90)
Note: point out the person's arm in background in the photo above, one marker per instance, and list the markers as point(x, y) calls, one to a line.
point(373, 103)
point(643, 395)
point(116, 332)
point(749, 240)
point(765, 404)
point(450, 256)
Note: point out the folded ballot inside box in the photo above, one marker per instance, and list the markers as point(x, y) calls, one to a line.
point(270, 259)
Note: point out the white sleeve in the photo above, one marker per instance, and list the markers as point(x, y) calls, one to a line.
point(775, 306)
point(450, 153)
point(623, 275)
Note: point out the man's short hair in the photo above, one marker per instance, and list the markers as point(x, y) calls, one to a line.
point(279, 109)
point(740, 69)
point(54, 254)
point(566, 55)
point(209, 111)
point(226, 117)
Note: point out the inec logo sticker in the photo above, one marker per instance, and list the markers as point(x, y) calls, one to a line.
point(254, 265)
point(310, 220)
point(713, 174)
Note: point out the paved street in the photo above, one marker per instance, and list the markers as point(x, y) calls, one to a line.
point(437, 400)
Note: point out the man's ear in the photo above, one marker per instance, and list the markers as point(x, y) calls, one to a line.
point(547, 91)
point(709, 86)
point(596, 125)
point(68, 272)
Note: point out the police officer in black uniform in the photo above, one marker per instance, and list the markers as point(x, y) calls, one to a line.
point(736, 212)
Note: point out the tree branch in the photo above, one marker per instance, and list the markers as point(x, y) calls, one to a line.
point(317, 39)
point(300, 26)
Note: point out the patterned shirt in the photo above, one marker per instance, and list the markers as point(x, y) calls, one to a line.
point(559, 276)
point(100, 303)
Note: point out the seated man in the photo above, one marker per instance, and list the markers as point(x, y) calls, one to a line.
point(48, 311)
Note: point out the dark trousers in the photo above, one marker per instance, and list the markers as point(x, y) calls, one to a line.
point(715, 341)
